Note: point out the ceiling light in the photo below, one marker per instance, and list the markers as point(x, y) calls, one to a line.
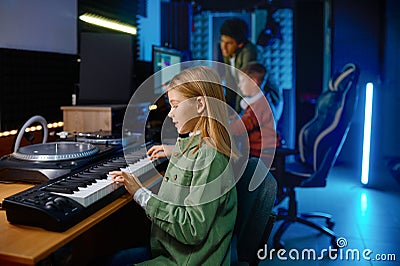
point(108, 23)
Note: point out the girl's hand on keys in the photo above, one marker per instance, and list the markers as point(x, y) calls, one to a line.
point(160, 151)
point(130, 181)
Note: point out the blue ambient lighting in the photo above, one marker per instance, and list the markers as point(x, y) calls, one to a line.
point(369, 95)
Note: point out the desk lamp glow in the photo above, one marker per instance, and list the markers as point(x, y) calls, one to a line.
point(369, 95)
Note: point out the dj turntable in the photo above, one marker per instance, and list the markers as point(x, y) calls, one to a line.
point(40, 162)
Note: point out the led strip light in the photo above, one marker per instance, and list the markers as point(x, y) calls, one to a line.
point(31, 129)
point(108, 23)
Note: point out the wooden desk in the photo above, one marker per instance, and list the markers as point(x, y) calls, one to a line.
point(25, 245)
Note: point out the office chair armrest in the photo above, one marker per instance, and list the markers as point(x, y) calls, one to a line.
point(280, 155)
point(280, 151)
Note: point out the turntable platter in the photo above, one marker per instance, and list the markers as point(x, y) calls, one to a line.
point(55, 151)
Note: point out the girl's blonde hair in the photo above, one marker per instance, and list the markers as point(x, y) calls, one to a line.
point(204, 81)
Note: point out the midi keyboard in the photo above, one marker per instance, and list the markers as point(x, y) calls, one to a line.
point(60, 203)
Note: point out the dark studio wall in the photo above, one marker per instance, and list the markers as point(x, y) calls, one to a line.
point(387, 128)
point(34, 83)
point(390, 103)
point(367, 33)
point(308, 31)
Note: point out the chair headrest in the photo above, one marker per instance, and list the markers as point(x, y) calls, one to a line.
point(331, 121)
point(336, 82)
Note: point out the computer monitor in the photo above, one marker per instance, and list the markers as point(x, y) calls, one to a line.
point(162, 58)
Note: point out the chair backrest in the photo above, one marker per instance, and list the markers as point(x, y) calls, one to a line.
point(321, 139)
point(256, 191)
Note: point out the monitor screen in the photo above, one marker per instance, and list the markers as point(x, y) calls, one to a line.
point(162, 58)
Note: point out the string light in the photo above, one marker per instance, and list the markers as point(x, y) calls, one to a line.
point(31, 129)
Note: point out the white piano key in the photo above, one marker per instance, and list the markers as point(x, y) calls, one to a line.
point(144, 165)
point(91, 194)
point(96, 191)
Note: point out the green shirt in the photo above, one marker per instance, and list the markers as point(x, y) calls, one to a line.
point(194, 213)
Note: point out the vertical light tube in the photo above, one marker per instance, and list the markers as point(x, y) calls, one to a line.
point(369, 95)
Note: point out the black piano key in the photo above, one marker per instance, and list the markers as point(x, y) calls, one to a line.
point(65, 190)
point(68, 186)
point(96, 175)
point(102, 169)
point(114, 167)
point(115, 163)
point(103, 176)
point(118, 163)
point(87, 176)
point(83, 181)
point(73, 185)
point(83, 176)
point(78, 183)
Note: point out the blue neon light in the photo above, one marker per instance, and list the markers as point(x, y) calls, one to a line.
point(369, 95)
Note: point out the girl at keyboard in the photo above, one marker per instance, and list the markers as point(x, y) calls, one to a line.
point(193, 215)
